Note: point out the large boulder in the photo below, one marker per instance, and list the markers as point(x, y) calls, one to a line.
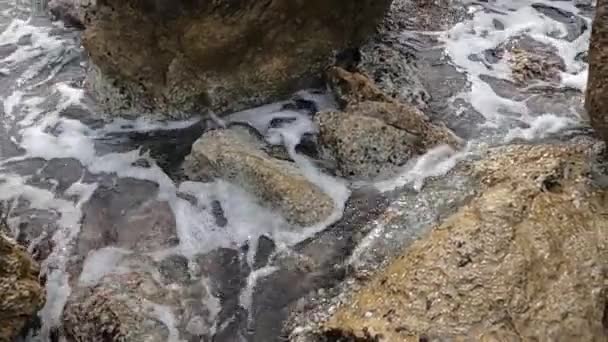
point(597, 88)
point(375, 134)
point(525, 260)
point(237, 155)
point(21, 294)
point(185, 56)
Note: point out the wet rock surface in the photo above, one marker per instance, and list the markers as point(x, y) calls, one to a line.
point(21, 293)
point(183, 57)
point(509, 265)
point(374, 134)
point(136, 307)
point(71, 12)
point(236, 154)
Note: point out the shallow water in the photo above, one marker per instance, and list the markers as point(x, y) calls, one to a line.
point(83, 189)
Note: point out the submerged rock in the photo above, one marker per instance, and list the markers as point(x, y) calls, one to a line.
point(374, 134)
point(184, 56)
point(21, 294)
point(525, 260)
point(597, 87)
point(237, 155)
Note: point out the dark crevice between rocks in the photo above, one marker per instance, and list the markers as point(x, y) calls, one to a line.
point(605, 315)
point(338, 335)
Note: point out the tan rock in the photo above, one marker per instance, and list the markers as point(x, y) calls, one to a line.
point(237, 155)
point(21, 294)
point(527, 66)
point(526, 260)
point(364, 146)
point(596, 100)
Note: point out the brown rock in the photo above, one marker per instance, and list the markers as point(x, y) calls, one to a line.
point(526, 260)
point(237, 155)
point(184, 56)
point(21, 294)
point(352, 87)
point(527, 66)
point(597, 87)
point(375, 134)
point(133, 307)
point(364, 146)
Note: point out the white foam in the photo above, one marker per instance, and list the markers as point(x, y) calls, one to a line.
point(576, 81)
point(102, 262)
point(165, 315)
point(246, 296)
point(142, 125)
point(475, 35)
point(541, 127)
point(435, 163)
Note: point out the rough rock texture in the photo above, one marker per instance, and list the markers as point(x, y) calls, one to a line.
point(21, 294)
point(529, 66)
point(364, 146)
point(597, 87)
point(237, 155)
point(136, 307)
point(71, 12)
point(374, 133)
point(530, 60)
point(184, 56)
point(525, 260)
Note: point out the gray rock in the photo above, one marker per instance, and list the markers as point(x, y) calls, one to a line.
point(237, 155)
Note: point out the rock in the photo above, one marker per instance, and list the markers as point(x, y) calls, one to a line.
point(530, 66)
point(525, 260)
point(131, 222)
point(532, 60)
point(364, 146)
point(71, 12)
point(21, 294)
point(353, 87)
point(374, 134)
point(134, 307)
point(237, 155)
point(182, 57)
point(597, 86)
